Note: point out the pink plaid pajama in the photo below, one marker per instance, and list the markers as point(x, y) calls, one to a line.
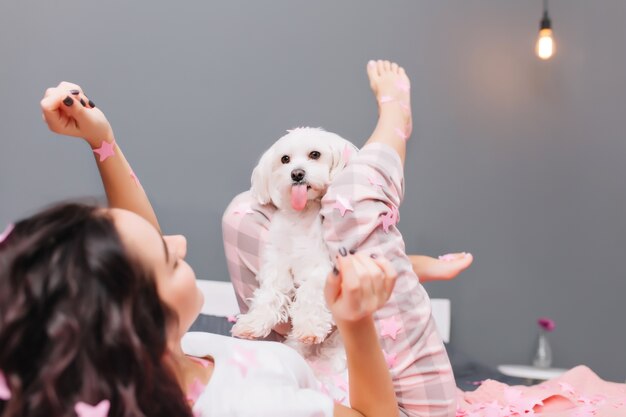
point(372, 184)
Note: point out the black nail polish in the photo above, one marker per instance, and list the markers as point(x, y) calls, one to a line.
point(373, 256)
point(75, 92)
point(92, 104)
point(83, 102)
point(68, 101)
point(335, 270)
point(352, 251)
point(343, 251)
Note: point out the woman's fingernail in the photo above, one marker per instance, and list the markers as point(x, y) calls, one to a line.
point(467, 254)
point(335, 270)
point(373, 256)
point(75, 92)
point(352, 252)
point(447, 257)
point(343, 251)
point(92, 104)
point(68, 101)
point(83, 102)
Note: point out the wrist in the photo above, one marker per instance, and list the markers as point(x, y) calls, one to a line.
point(95, 141)
point(357, 326)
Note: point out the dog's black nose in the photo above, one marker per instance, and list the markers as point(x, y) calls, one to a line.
point(297, 175)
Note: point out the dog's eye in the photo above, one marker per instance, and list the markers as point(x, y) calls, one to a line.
point(315, 155)
point(285, 159)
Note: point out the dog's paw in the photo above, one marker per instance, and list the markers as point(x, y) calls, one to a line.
point(252, 326)
point(311, 333)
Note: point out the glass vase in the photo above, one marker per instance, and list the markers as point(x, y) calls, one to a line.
point(543, 355)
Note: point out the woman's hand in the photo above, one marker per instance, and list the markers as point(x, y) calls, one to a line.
point(360, 286)
point(67, 111)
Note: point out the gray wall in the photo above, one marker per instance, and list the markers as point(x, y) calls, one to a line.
point(520, 162)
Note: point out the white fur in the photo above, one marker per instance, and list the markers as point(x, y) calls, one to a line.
point(295, 261)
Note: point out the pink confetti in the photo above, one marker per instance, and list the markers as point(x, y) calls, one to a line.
point(401, 133)
point(404, 86)
point(86, 410)
point(243, 208)
point(387, 220)
point(243, 359)
point(5, 392)
point(195, 390)
point(390, 327)
point(7, 232)
point(320, 367)
point(134, 177)
point(105, 151)
point(377, 182)
point(584, 411)
point(201, 361)
point(386, 99)
point(346, 154)
point(390, 358)
point(340, 383)
point(343, 204)
point(232, 319)
point(567, 388)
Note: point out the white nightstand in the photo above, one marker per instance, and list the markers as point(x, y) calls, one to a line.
point(531, 372)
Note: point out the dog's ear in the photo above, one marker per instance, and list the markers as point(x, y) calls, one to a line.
point(341, 149)
point(260, 180)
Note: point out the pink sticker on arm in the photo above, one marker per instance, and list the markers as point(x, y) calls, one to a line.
point(134, 178)
point(105, 151)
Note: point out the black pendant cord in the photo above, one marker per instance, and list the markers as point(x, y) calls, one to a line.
point(545, 23)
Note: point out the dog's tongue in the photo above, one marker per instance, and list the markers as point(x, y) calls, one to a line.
point(298, 196)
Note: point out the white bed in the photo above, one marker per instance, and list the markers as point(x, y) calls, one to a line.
point(220, 301)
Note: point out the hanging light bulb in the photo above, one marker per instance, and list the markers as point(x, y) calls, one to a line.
point(545, 42)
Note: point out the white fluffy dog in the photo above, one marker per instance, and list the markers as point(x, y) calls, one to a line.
point(294, 175)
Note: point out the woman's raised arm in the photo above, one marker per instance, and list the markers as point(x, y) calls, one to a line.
point(67, 111)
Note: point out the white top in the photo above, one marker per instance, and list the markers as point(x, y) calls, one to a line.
point(256, 379)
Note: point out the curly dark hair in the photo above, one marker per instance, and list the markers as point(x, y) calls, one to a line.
point(81, 320)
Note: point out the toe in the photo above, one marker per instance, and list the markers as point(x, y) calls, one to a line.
point(394, 67)
point(380, 65)
point(387, 66)
point(372, 71)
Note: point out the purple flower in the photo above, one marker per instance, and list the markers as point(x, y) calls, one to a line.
point(546, 324)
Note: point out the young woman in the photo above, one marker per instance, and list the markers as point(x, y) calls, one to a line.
point(94, 304)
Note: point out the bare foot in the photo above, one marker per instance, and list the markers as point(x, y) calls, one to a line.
point(392, 88)
point(445, 268)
